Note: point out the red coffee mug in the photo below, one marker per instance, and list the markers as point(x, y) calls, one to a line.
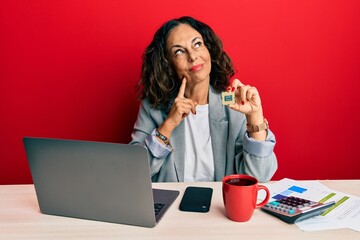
point(240, 196)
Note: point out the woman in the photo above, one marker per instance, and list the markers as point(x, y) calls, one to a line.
point(190, 135)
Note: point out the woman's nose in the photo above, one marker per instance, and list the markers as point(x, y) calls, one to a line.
point(192, 56)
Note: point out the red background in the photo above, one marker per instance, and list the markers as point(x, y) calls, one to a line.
point(68, 69)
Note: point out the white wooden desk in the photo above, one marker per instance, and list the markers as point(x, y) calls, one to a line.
point(20, 219)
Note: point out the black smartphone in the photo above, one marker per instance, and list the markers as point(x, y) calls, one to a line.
point(196, 199)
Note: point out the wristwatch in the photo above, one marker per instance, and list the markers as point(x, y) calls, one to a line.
point(257, 128)
point(162, 137)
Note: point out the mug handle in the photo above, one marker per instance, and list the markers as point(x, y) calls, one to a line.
point(262, 187)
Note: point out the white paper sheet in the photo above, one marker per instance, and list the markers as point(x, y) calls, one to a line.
point(344, 214)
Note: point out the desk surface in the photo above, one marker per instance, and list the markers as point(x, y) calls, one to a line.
point(20, 219)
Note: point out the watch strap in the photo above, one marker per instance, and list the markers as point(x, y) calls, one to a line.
point(257, 128)
point(162, 137)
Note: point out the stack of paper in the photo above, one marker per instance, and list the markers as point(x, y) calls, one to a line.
point(344, 214)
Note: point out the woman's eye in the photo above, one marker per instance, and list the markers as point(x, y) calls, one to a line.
point(198, 44)
point(178, 51)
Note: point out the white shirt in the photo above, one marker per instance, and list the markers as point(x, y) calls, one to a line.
point(199, 161)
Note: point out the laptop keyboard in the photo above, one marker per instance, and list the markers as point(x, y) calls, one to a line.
point(158, 207)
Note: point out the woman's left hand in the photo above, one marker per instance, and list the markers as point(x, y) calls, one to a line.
point(248, 102)
point(247, 98)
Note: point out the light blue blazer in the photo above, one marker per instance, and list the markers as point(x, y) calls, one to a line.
point(233, 150)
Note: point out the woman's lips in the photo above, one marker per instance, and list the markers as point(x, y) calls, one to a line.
point(197, 67)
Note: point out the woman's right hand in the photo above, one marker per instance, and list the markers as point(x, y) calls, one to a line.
point(180, 109)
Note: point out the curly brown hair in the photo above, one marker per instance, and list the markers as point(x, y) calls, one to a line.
point(159, 82)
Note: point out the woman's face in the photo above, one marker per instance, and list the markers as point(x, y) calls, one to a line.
point(188, 54)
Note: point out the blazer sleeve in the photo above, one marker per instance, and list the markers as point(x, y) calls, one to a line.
point(144, 134)
point(257, 158)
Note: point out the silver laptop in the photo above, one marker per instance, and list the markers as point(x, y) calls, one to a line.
point(95, 180)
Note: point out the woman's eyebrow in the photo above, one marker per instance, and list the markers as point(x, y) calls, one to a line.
point(174, 46)
point(196, 38)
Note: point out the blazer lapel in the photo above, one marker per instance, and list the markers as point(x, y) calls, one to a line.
point(219, 131)
point(177, 140)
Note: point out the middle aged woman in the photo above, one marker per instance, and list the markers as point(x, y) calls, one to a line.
point(190, 135)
